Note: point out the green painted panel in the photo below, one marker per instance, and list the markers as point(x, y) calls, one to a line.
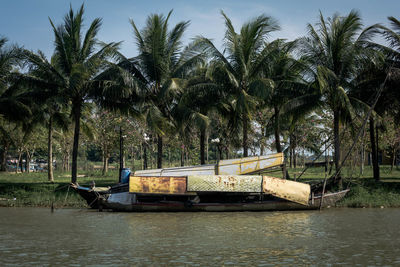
point(224, 183)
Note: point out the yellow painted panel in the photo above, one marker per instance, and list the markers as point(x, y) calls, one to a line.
point(286, 189)
point(157, 185)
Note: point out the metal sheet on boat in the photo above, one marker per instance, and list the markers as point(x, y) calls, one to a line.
point(249, 164)
point(179, 171)
point(224, 183)
point(157, 185)
point(286, 189)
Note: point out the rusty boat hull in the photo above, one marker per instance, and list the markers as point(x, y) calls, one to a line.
point(125, 201)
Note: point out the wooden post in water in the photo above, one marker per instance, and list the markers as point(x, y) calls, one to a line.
point(326, 175)
point(121, 153)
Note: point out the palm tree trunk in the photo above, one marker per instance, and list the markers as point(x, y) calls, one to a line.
point(207, 149)
point(374, 152)
point(19, 164)
point(3, 158)
point(202, 146)
point(291, 152)
point(336, 140)
point(159, 151)
point(277, 131)
point(105, 159)
point(27, 161)
point(29, 156)
point(133, 158)
point(377, 151)
point(262, 147)
point(362, 160)
point(393, 159)
point(278, 143)
point(50, 175)
point(144, 156)
point(77, 117)
point(169, 156)
point(183, 155)
point(245, 137)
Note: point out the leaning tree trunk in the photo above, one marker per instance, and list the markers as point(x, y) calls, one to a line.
point(374, 152)
point(202, 146)
point(245, 137)
point(77, 117)
point(159, 151)
point(50, 175)
point(336, 135)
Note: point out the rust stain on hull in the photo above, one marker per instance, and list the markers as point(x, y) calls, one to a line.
point(157, 185)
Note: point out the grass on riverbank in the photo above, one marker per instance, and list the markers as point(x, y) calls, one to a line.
point(365, 191)
point(33, 189)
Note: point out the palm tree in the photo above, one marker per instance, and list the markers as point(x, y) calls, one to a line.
point(382, 64)
point(201, 96)
point(286, 76)
point(46, 87)
point(239, 71)
point(333, 50)
point(79, 73)
point(14, 106)
point(163, 65)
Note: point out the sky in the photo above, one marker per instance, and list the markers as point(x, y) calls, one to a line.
point(26, 22)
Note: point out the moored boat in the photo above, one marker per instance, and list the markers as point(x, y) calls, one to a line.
point(283, 197)
point(225, 186)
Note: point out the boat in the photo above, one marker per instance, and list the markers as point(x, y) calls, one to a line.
point(201, 188)
point(117, 198)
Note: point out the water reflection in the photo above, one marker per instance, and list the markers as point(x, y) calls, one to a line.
point(74, 237)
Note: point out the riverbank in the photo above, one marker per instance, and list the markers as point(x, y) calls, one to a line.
point(33, 189)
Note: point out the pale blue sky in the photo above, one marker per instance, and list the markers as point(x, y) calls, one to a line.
point(26, 23)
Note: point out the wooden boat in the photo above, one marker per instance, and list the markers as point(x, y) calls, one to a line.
point(119, 198)
point(225, 186)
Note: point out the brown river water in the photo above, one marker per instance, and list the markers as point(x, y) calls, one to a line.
point(73, 237)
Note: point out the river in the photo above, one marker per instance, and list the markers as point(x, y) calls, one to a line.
point(73, 237)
